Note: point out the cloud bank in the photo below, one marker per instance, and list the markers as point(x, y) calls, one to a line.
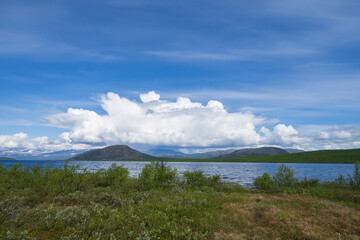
point(21, 143)
point(338, 137)
point(180, 123)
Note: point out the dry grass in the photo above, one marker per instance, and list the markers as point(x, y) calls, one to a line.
point(275, 216)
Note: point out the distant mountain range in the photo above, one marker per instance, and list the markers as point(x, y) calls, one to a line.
point(168, 153)
point(113, 153)
point(123, 152)
point(254, 152)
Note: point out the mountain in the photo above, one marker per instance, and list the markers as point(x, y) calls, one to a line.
point(6, 158)
point(169, 153)
point(254, 152)
point(211, 154)
point(158, 151)
point(113, 153)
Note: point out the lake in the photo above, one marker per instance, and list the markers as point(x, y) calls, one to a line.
point(242, 173)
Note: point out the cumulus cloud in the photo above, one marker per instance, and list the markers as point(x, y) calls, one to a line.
point(18, 140)
point(324, 135)
point(150, 96)
point(20, 143)
point(181, 123)
point(342, 134)
point(282, 135)
point(337, 137)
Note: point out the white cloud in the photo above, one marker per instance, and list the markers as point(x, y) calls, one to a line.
point(181, 123)
point(248, 54)
point(324, 135)
point(281, 135)
point(286, 134)
point(20, 143)
point(18, 140)
point(336, 137)
point(342, 134)
point(150, 96)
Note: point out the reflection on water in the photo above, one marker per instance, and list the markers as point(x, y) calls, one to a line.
point(243, 173)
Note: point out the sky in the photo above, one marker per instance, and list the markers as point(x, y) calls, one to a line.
point(189, 75)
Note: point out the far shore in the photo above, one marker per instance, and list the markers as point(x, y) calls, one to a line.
point(350, 156)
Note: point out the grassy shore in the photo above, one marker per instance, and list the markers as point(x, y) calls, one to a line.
point(69, 203)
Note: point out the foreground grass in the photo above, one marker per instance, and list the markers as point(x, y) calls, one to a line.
point(38, 203)
point(105, 214)
point(279, 216)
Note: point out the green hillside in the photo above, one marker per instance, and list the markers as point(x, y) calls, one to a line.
point(113, 153)
point(323, 156)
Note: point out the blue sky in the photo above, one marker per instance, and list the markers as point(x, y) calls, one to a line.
point(294, 63)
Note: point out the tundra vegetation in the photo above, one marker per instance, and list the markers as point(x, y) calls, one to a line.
point(74, 203)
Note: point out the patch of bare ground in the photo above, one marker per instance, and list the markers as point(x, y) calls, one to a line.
point(278, 216)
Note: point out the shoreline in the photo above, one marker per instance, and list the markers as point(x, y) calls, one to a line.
point(192, 160)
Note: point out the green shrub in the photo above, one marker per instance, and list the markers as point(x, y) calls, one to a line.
point(164, 174)
point(307, 183)
point(54, 181)
point(215, 179)
point(264, 183)
point(197, 178)
point(284, 177)
point(341, 180)
point(352, 181)
point(157, 174)
point(113, 176)
point(146, 177)
point(68, 179)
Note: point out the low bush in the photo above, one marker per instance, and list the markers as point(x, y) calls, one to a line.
point(157, 174)
point(352, 181)
point(113, 176)
point(264, 183)
point(345, 189)
point(36, 203)
point(66, 180)
point(284, 180)
point(307, 183)
point(71, 203)
point(48, 181)
point(285, 177)
point(197, 178)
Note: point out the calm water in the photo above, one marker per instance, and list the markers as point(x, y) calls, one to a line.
point(243, 173)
